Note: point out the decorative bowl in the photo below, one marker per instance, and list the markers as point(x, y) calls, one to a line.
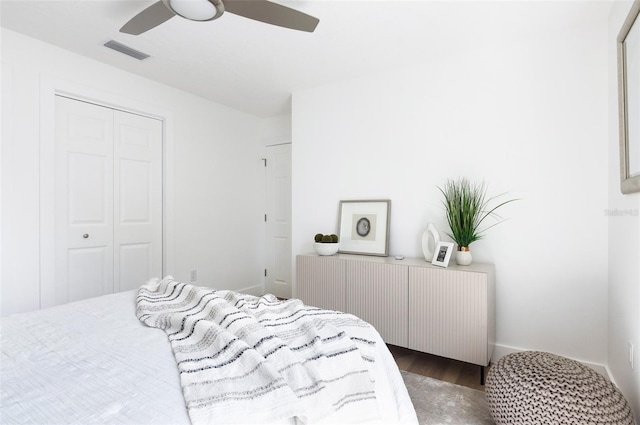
point(326, 248)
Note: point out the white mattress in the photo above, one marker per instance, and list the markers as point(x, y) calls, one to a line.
point(93, 362)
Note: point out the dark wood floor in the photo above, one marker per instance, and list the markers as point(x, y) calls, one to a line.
point(441, 368)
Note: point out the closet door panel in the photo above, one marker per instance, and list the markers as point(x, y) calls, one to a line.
point(84, 201)
point(138, 200)
point(86, 272)
point(136, 264)
point(108, 201)
point(88, 189)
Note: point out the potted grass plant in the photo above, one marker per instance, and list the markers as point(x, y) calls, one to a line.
point(467, 206)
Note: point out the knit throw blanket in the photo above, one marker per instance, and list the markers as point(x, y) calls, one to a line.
point(246, 359)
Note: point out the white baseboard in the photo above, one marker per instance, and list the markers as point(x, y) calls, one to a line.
point(500, 351)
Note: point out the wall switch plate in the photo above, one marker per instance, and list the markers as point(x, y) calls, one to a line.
point(631, 354)
point(194, 276)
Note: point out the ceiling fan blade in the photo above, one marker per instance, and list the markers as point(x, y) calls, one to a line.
point(149, 18)
point(272, 13)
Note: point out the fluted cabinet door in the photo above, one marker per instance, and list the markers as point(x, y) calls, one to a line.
point(448, 314)
point(320, 282)
point(379, 295)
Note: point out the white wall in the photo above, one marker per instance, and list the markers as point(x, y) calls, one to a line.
point(529, 117)
point(624, 246)
point(276, 130)
point(214, 171)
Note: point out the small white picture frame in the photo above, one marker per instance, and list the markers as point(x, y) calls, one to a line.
point(442, 254)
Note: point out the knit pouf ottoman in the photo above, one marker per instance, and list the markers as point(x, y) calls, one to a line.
point(533, 387)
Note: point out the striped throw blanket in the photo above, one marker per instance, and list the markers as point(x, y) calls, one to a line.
point(246, 359)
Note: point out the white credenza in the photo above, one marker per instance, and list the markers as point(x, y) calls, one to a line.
point(449, 312)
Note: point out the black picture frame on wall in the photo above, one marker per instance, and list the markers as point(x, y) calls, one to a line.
point(364, 227)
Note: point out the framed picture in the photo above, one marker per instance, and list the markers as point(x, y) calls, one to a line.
point(442, 254)
point(364, 227)
point(628, 42)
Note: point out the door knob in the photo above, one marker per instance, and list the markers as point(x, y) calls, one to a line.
point(86, 235)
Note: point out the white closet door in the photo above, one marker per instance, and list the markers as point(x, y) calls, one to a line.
point(108, 200)
point(138, 200)
point(84, 200)
point(278, 194)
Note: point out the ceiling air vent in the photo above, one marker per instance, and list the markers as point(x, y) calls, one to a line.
point(126, 50)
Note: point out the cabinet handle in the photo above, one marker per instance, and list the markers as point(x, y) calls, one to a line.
point(86, 235)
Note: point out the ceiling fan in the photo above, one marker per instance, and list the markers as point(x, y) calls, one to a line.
point(207, 10)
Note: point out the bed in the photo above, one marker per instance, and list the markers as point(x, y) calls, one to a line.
point(130, 358)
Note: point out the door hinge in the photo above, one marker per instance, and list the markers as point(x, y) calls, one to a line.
point(265, 272)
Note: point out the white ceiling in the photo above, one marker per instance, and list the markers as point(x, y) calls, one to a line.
point(254, 67)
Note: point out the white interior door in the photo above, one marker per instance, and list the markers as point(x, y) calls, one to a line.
point(108, 225)
point(278, 233)
point(137, 200)
point(84, 200)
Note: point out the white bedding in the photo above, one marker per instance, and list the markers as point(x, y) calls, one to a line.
point(94, 362)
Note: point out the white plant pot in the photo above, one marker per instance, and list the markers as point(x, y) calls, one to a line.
point(326, 248)
point(463, 257)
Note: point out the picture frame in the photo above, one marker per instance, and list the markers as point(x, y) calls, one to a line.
point(442, 254)
point(364, 227)
point(628, 41)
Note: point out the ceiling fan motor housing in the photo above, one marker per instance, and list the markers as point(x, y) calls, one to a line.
point(196, 10)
